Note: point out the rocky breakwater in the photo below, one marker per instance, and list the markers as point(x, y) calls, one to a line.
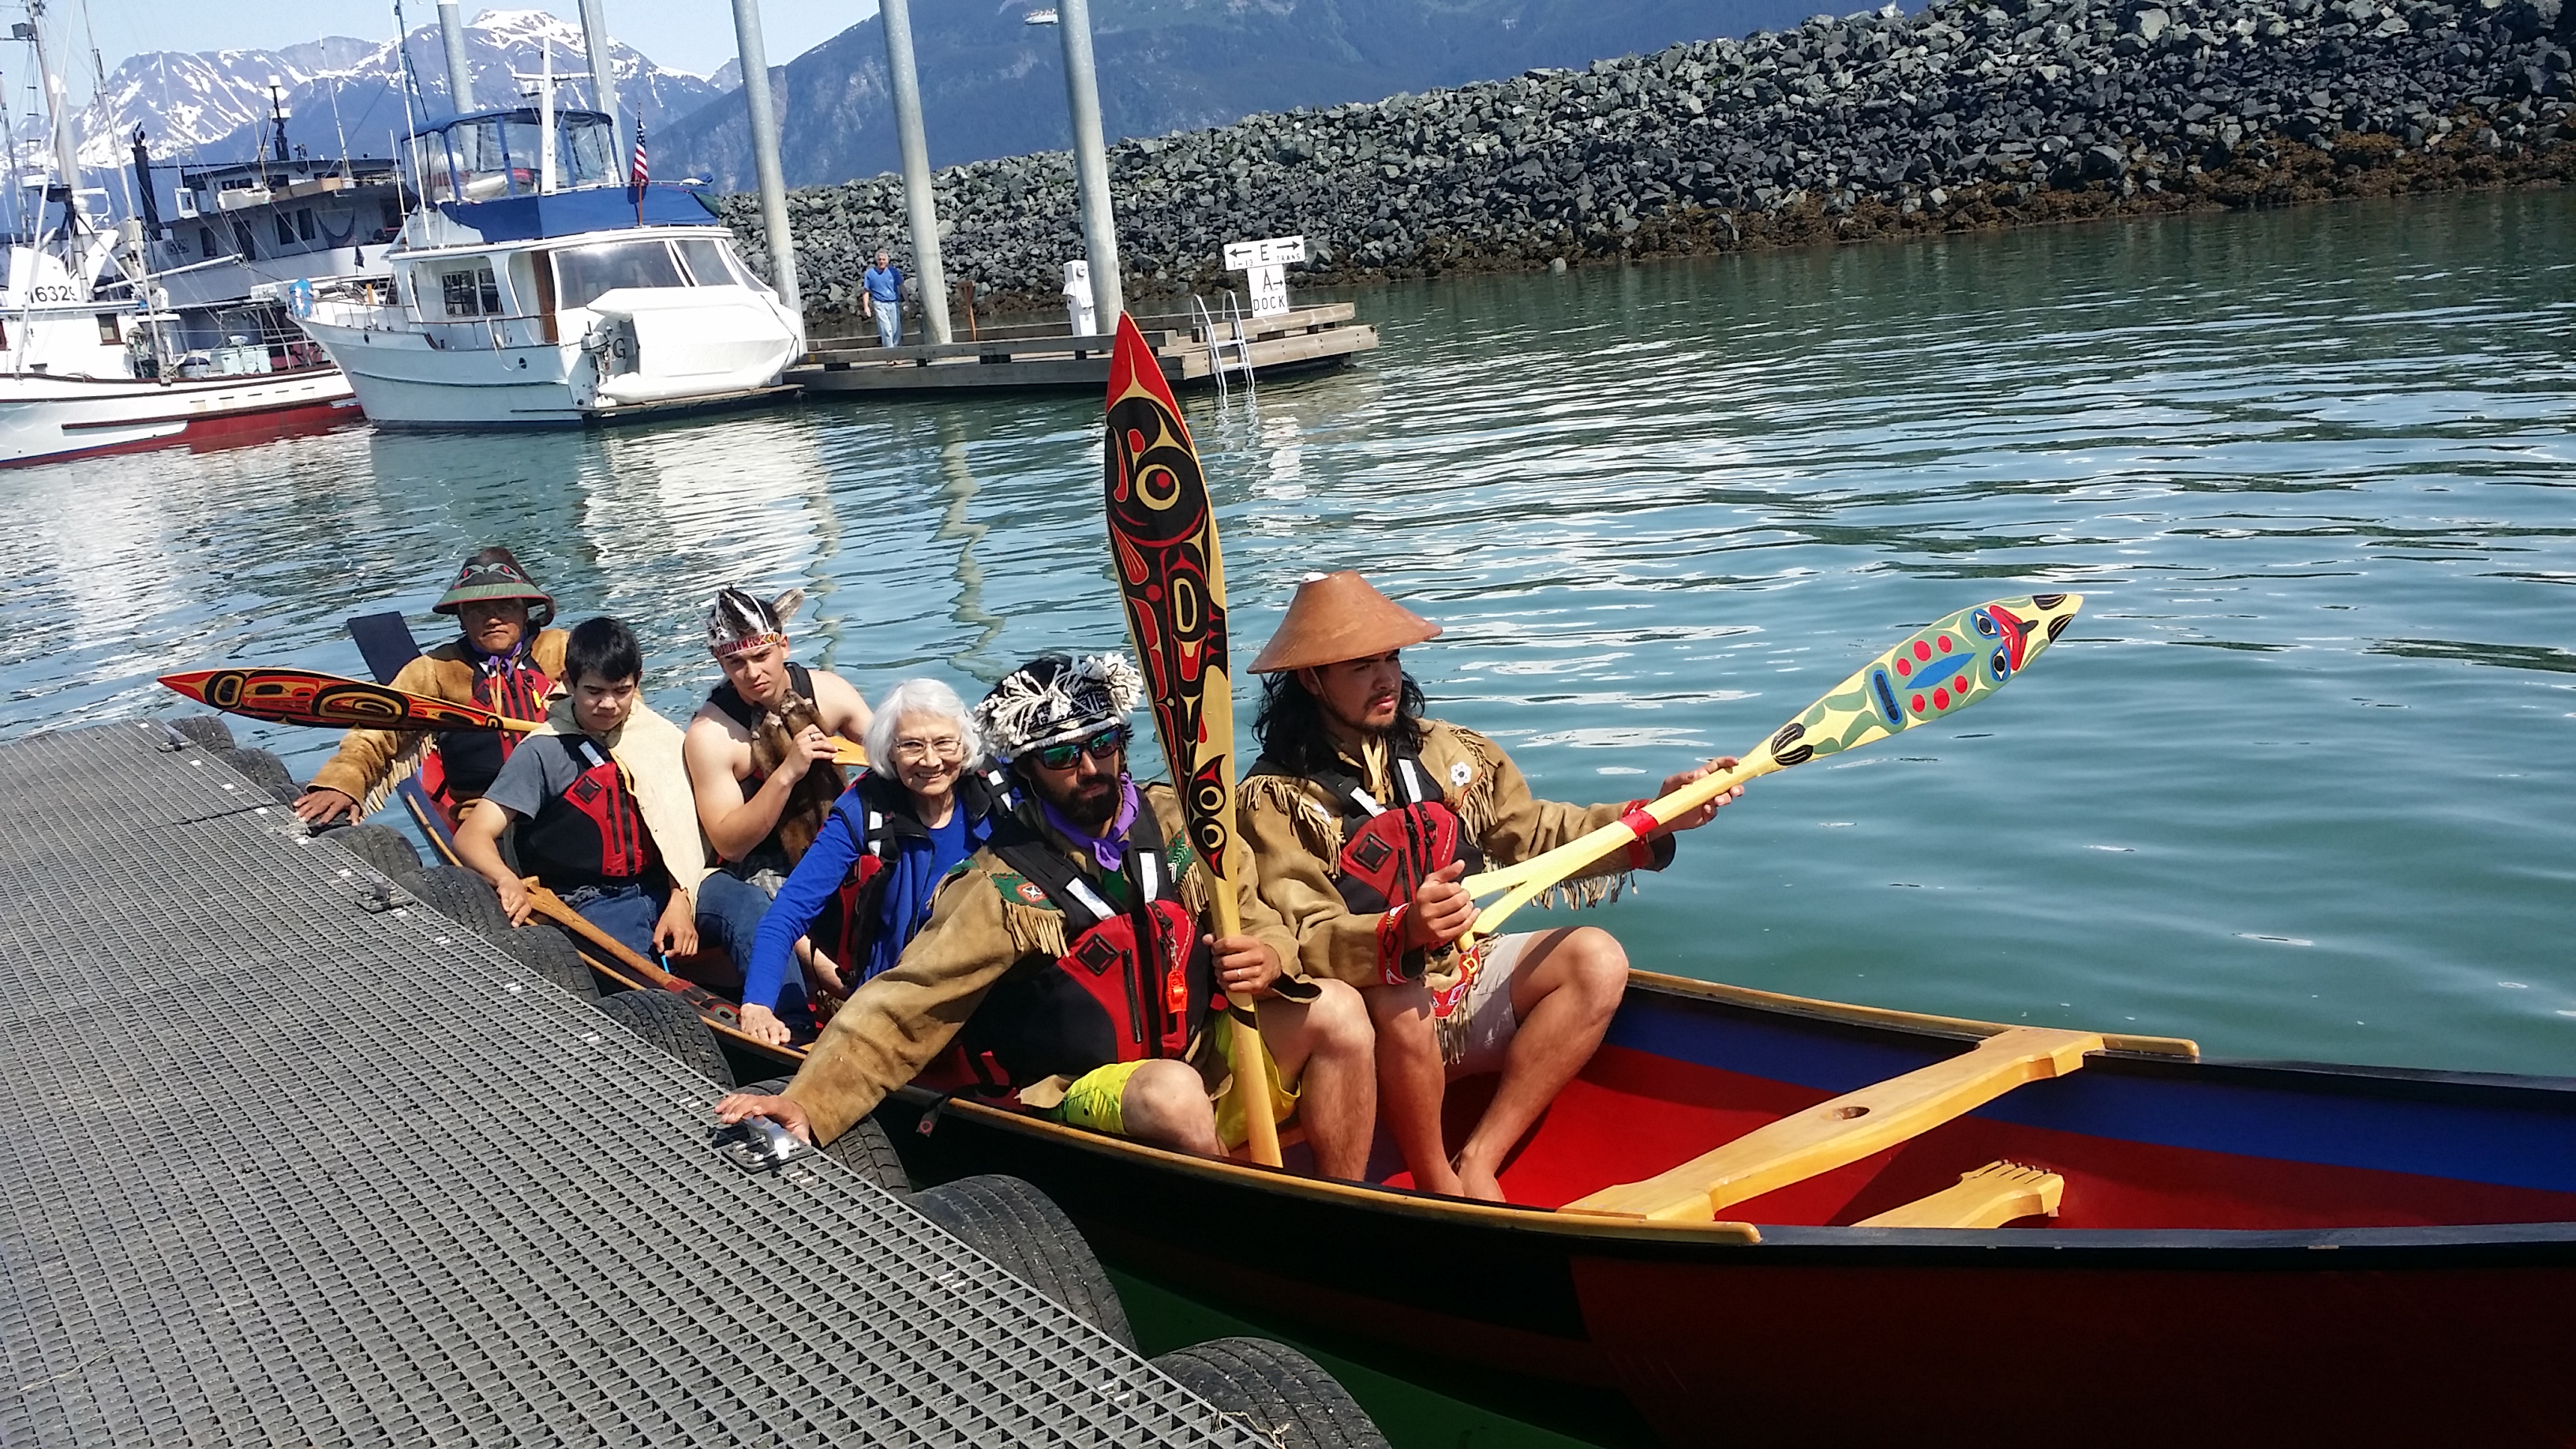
point(1966, 115)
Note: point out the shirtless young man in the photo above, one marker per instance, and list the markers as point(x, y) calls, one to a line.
point(751, 819)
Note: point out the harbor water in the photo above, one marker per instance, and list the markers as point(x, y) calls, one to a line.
point(2295, 784)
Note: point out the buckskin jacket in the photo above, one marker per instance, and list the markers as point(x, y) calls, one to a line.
point(372, 762)
point(1293, 825)
point(897, 1022)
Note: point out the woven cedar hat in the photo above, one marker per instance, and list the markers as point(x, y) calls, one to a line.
point(1336, 617)
point(493, 573)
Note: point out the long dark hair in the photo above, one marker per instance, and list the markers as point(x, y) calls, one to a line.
point(1291, 730)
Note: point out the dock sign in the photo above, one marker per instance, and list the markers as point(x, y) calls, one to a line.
point(1264, 264)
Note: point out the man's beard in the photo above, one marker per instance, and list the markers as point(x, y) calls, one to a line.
point(1093, 805)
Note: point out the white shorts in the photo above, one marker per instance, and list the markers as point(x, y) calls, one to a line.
point(1485, 1022)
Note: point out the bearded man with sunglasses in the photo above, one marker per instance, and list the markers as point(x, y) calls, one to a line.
point(1364, 816)
point(1069, 964)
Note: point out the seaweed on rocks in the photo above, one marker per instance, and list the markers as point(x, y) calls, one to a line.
point(1971, 114)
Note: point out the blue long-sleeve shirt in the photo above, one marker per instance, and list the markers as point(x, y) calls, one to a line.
point(810, 887)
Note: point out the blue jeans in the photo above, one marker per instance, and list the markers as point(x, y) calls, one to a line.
point(889, 322)
point(628, 914)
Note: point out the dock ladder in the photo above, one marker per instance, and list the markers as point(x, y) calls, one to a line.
point(1229, 350)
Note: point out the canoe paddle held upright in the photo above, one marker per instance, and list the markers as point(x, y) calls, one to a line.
point(1940, 669)
point(1171, 577)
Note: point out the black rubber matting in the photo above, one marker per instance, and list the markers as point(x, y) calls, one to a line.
point(276, 1169)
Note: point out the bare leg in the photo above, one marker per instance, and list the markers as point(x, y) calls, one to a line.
point(1164, 1104)
point(1411, 1081)
point(1565, 987)
point(1323, 1045)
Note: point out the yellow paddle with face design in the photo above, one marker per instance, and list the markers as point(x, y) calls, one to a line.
point(1939, 670)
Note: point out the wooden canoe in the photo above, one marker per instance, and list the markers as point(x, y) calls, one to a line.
point(2240, 1252)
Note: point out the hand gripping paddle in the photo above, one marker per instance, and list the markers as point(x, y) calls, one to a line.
point(1943, 668)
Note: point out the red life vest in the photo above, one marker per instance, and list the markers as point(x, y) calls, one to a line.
point(592, 834)
point(466, 762)
point(1133, 984)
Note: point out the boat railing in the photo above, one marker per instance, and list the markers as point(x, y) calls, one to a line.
point(492, 332)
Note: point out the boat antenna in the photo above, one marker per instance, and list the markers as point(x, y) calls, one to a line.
point(411, 78)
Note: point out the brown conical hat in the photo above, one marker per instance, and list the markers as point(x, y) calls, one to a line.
point(1336, 617)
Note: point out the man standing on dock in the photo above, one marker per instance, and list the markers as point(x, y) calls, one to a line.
point(1363, 816)
point(505, 660)
point(882, 298)
point(760, 760)
point(1071, 963)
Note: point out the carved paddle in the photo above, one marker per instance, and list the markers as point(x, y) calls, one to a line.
point(1935, 672)
point(1171, 577)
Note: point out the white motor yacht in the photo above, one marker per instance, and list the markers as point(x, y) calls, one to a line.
point(534, 286)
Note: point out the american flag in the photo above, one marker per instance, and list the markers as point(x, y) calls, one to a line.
point(639, 175)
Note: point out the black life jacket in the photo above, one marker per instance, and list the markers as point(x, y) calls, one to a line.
point(770, 853)
point(887, 815)
point(592, 834)
point(467, 761)
point(1107, 998)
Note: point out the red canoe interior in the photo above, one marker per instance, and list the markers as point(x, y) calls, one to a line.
point(1633, 1114)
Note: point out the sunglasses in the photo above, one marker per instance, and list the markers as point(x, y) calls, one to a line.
point(1102, 746)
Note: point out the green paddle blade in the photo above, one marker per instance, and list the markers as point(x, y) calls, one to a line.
point(1943, 668)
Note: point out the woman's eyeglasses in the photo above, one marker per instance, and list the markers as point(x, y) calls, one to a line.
point(948, 747)
point(1102, 746)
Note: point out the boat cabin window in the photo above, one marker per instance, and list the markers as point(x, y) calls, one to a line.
point(582, 273)
point(470, 292)
point(241, 241)
point(107, 330)
point(709, 266)
point(285, 231)
point(503, 155)
point(304, 222)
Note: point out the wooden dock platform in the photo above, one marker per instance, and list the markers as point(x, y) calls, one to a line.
point(1305, 338)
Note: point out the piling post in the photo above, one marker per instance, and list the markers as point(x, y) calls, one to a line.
point(603, 72)
point(460, 77)
point(764, 156)
point(921, 211)
point(1090, 159)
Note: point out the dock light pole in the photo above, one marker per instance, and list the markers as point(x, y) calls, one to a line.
point(603, 71)
point(1090, 159)
point(764, 156)
point(921, 210)
point(460, 78)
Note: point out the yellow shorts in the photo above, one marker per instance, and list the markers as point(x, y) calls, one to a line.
point(1093, 1101)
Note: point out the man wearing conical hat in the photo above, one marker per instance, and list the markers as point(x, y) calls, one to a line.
point(1069, 964)
point(506, 660)
point(1362, 817)
point(759, 754)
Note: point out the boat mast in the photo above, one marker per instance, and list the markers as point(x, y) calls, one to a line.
point(603, 68)
point(66, 141)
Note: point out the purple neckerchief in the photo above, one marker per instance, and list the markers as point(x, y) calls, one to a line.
point(1111, 849)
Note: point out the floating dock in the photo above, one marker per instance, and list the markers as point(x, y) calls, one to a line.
point(1303, 338)
point(288, 1162)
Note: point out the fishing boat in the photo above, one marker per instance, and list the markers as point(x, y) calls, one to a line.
point(118, 338)
point(1762, 1219)
point(535, 286)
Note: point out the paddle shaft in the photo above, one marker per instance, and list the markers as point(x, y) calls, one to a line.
point(1540, 872)
point(554, 908)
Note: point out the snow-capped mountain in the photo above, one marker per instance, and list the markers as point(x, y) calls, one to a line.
point(348, 95)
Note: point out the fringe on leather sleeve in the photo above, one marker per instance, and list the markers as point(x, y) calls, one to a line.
point(1317, 830)
point(1034, 930)
point(404, 765)
point(1475, 804)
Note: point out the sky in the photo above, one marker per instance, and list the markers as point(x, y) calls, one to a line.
point(690, 35)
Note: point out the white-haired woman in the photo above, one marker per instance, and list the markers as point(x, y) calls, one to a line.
point(916, 812)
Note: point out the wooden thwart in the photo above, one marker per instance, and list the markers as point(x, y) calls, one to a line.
point(1846, 1129)
point(1989, 1197)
